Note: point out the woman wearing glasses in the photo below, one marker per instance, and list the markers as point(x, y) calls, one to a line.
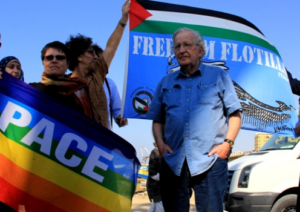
point(12, 66)
point(54, 81)
point(73, 90)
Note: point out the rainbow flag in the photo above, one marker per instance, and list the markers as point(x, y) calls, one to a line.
point(232, 43)
point(143, 172)
point(53, 159)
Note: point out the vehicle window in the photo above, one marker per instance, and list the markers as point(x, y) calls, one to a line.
point(280, 142)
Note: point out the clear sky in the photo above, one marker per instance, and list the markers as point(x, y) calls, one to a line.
point(26, 26)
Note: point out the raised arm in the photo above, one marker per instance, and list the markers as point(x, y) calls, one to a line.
point(115, 38)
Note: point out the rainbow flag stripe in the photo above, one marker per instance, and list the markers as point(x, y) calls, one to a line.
point(53, 159)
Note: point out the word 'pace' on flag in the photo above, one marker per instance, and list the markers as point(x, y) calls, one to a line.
point(232, 43)
point(53, 159)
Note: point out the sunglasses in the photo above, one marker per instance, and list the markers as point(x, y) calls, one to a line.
point(91, 51)
point(51, 57)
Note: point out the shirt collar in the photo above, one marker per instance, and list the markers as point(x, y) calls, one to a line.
point(196, 73)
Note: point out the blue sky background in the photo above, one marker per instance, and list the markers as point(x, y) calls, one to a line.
point(26, 26)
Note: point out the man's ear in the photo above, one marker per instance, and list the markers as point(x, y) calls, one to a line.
point(200, 51)
point(79, 58)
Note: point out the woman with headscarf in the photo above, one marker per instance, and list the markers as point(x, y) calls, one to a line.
point(12, 66)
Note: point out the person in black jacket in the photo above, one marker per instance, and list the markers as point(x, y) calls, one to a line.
point(153, 183)
point(295, 86)
point(295, 83)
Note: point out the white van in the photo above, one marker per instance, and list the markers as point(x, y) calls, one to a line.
point(266, 180)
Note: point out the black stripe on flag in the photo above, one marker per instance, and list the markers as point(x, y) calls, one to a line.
point(160, 6)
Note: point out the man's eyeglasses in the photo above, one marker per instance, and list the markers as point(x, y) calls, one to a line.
point(51, 57)
point(91, 51)
point(185, 45)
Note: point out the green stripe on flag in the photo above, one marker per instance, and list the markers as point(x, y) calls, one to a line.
point(112, 180)
point(162, 27)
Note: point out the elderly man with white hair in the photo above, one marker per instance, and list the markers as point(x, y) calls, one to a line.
point(196, 118)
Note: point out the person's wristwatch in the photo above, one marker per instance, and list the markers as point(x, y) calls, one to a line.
point(122, 24)
point(230, 142)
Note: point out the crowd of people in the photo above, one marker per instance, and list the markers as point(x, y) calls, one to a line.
point(195, 111)
point(83, 90)
point(87, 89)
point(191, 153)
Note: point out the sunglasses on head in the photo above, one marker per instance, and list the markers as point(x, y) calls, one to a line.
point(51, 57)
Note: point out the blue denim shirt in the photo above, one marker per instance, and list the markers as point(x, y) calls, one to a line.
point(195, 112)
point(113, 100)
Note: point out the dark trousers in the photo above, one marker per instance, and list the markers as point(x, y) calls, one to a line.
point(209, 188)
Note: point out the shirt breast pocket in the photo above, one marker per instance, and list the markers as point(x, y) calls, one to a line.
point(207, 94)
point(171, 96)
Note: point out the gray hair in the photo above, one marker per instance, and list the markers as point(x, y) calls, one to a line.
point(197, 37)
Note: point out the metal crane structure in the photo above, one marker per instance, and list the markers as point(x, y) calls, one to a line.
point(144, 157)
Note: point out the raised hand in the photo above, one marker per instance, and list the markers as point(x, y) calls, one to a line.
point(125, 9)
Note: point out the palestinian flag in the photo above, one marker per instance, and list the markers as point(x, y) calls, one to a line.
point(231, 42)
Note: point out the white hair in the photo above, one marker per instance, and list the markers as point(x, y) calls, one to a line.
point(197, 37)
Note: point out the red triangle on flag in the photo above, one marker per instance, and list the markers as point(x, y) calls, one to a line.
point(137, 14)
